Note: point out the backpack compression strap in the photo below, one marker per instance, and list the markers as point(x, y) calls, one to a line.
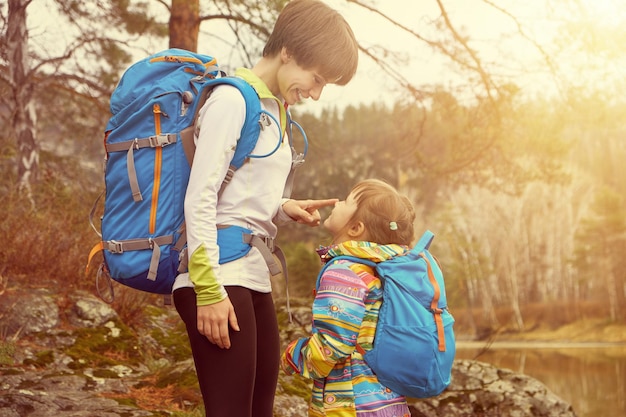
point(434, 304)
point(155, 141)
point(422, 245)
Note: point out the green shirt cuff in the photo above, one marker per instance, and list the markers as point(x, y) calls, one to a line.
point(207, 287)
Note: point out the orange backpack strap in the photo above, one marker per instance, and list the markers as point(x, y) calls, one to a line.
point(434, 305)
point(97, 248)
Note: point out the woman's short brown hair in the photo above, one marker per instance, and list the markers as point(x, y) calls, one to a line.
point(318, 38)
point(388, 216)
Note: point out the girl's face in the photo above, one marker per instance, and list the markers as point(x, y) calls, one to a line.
point(296, 83)
point(336, 223)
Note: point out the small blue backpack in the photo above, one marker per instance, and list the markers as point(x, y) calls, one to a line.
point(149, 142)
point(414, 345)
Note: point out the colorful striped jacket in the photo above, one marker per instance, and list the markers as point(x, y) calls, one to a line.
point(345, 312)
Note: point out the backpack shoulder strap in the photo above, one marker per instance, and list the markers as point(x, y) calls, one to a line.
point(372, 264)
point(251, 127)
point(424, 242)
point(250, 130)
point(338, 258)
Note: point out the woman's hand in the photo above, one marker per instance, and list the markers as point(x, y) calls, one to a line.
point(214, 319)
point(306, 211)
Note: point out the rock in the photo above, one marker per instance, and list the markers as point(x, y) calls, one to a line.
point(41, 376)
point(480, 389)
point(90, 311)
point(42, 394)
point(289, 406)
point(28, 312)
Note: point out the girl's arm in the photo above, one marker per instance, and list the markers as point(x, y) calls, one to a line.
point(338, 311)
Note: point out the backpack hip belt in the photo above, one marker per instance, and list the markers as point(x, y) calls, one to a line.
point(266, 246)
point(271, 253)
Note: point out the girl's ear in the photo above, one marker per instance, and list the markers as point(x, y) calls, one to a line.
point(357, 231)
point(285, 56)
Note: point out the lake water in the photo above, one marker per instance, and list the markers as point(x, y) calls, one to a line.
point(591, 377)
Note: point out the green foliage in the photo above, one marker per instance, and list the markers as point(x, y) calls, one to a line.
point(304, 265)
point(174, 343)
point(42, 359)
point(602, 235)
point(600, 248)
point(199, 412)
point(296, 385)
point(98, 347)
point(7, 350)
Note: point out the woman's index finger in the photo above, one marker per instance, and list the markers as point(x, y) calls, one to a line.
point(316, 204)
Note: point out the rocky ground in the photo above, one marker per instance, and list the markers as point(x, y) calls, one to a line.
point(74, 357)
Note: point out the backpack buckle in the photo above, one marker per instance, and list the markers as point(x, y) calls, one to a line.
point(267, 241)
point(114, 246)
point(264, 121)
point(297, 161)
point(161, 140)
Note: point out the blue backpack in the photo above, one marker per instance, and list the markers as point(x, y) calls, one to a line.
point(414, 344)
point(149, 142)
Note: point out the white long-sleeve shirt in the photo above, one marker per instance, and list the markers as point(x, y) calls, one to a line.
point(252, 199)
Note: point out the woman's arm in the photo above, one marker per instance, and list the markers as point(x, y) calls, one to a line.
point(220, 122)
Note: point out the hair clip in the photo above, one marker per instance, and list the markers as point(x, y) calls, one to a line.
point(393, 225)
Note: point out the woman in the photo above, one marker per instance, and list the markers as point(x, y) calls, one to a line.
point(228, 308)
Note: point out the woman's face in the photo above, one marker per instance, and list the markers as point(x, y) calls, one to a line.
point(296, 83)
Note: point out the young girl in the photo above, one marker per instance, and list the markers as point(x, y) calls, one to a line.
point(227, 307)
point(375, 223)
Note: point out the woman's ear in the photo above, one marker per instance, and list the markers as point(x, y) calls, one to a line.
point(285, 56)
point(357, 231)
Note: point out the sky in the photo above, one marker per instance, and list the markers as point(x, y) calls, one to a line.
point(493, 34)
point(370, 84)
point(490, 30)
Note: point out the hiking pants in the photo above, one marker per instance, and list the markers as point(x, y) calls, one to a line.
point(240, 381)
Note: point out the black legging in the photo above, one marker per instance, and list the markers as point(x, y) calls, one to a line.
point(240, 381)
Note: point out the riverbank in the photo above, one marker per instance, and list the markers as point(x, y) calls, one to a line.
point(587, 375)
point(582, 333)
point(512, 344)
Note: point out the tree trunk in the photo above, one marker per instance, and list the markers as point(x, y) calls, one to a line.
point(515, 294)
point(24, 114)
point(185, 24)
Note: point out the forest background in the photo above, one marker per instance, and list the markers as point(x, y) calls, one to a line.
point(503, 123)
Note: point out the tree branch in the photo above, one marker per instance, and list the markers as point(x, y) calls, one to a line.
point(485, 77)
point(235, 18)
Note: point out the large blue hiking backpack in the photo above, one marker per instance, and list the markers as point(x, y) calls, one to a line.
point(149, 142)
point(414, 345)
